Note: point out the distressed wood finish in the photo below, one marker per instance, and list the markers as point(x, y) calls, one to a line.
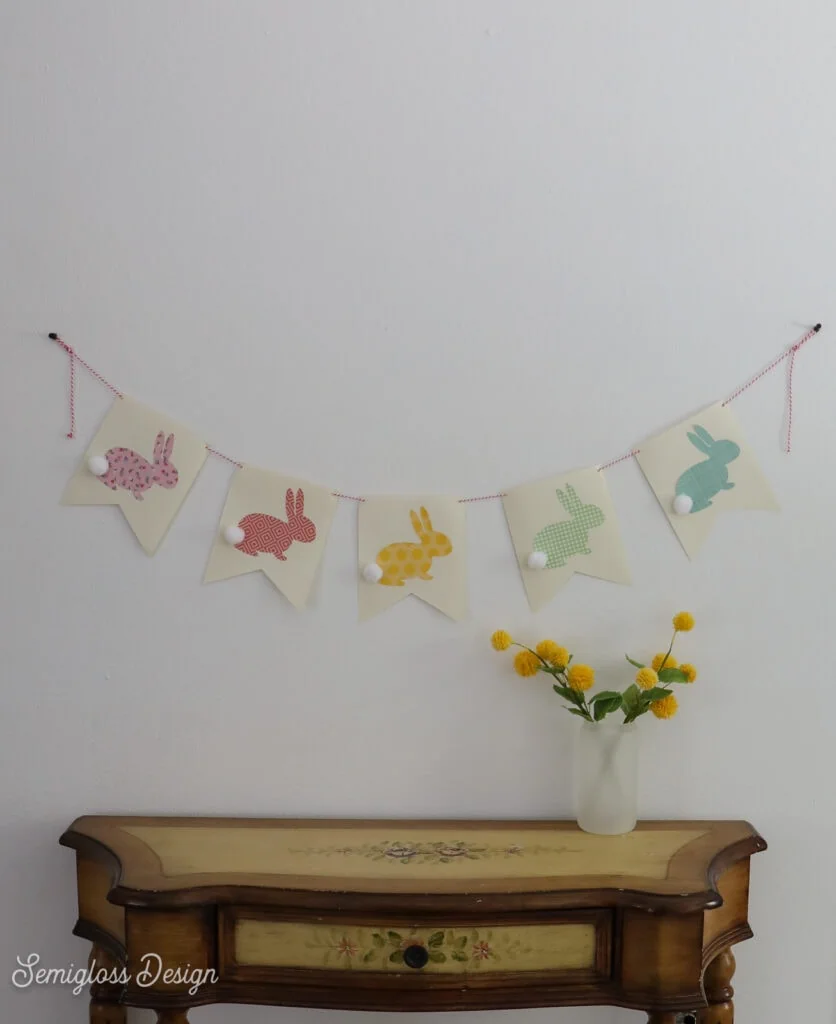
point(419, 915)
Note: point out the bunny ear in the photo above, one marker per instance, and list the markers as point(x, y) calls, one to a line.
point(699, 444)
point(289, 503)
point(158, 446)
point(300, 501)
point(701, 432)
point(561, 497)
point(572, 497)
point(169, 447)
point(416, 523)
point(425, 518)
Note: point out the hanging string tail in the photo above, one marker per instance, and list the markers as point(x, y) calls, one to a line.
point(75, 357)
point(790, 354)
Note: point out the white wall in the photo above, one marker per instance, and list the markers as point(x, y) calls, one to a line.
point(398, 245)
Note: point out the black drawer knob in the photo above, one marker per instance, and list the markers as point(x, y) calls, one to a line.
point(415, 956)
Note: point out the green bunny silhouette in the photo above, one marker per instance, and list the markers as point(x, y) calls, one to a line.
point(705, 480)
point(560, 541)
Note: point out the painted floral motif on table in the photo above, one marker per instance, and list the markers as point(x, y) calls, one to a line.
point(445, 851)
point(473, 948)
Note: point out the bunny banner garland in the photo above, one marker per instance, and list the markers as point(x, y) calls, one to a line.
point(563, 525)
point(412, 546)
point(700, 467)
point(147, 465)
point(274, 523)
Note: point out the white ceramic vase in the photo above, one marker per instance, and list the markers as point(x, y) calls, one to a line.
point(606, 776)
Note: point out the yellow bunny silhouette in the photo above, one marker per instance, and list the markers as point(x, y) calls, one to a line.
point(404, 560)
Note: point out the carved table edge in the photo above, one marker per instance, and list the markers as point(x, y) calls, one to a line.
point(723, 941)
point(313, 995)
point(545, 900)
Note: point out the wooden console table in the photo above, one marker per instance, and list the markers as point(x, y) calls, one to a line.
point(411, 915)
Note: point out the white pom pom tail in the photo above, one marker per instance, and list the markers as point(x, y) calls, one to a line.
point(98, 465)
point(233, 535)
point(537, 560)
point(682, 504)
point(372, 573)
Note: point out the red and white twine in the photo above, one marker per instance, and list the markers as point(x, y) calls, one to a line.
point(790, 354)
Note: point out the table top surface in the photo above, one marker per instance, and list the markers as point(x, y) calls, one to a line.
point(159, 855)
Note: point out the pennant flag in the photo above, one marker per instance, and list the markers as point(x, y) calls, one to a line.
point(276, 524)
point(700, 467)
point(142, 461)
point(412, 546)
point(563, 525)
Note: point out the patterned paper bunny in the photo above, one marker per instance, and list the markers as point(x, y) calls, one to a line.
point(274, 536)
point(705, 480)
point(405, 560)
point(133, 472)
point(560, 541)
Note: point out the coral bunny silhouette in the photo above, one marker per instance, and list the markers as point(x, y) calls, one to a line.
point(133, 472)
point(265, 533)
point(406, 560)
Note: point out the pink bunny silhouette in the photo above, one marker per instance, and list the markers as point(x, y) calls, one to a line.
point(133, 472)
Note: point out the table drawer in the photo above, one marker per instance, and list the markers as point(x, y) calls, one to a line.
point(254, 942)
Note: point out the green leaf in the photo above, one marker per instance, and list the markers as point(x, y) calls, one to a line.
point(657, 693)
point(437, 956)
point(567, 693)
point(637, 664)
point(630, 697)
point(378, 939)
point(461, 942)
point(394, 937)
point(396, 957)
point(606, 695)
point(436, 939)
point(672, 675)
point(579, 713)
point(606, 707)
point(369, 956)
point(458, 955)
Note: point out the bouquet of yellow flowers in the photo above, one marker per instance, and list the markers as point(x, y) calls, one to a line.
point(649, 692)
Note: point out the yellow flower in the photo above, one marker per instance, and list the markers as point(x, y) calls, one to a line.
point(526, 663)
point(689, 671)
point(666, 707)
point(683, 622)
point(646, 678)
point(553, 653)
point(670, 662)
point(501, 640)
point(581, 677)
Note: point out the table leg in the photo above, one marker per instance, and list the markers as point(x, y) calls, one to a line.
point(718, 990)
point(657, 1017)
point(172, 1017)
point(105, 1007)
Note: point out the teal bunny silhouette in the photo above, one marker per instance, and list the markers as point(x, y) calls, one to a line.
point(703, 481)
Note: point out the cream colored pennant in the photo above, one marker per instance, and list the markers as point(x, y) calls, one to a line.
point(142, 461)
point(563, 525)
point(701, 467)
point(412, 545)
point(276, 524)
